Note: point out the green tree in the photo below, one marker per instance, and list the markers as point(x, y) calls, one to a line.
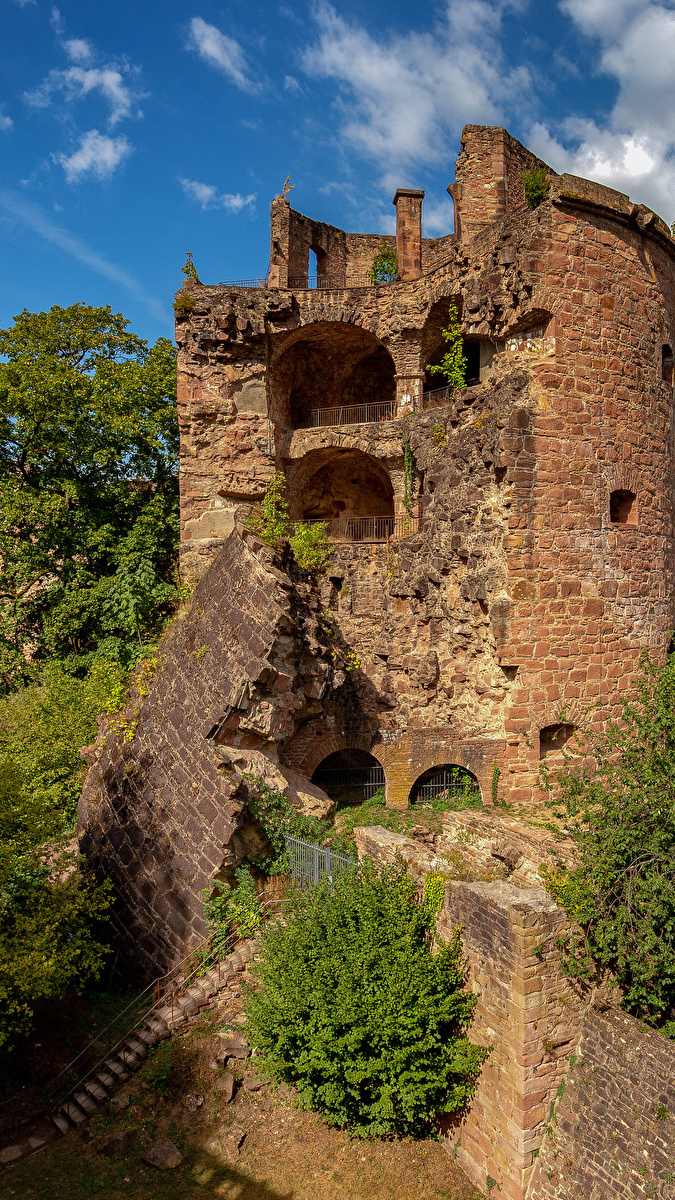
point(619, 800)
point(88, 485)
point(355, 1010)
point(453, 363)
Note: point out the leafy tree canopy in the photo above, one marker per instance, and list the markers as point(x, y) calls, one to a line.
point(88, 485)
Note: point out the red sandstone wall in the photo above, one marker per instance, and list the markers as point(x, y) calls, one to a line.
point(580, 292)
point(488, 176)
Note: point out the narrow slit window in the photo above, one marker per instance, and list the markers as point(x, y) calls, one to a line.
point(623, 507)
point(667, 365)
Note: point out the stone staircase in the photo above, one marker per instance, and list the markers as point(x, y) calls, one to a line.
point(182, 1001)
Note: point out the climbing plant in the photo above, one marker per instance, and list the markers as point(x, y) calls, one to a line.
point(408, 476)
point(384, 268)
point(355, 1011)
point(453, 363)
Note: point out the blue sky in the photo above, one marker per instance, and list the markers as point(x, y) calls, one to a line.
point(132, 132)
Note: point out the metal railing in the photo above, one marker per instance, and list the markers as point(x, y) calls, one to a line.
point(367, 529)
point(451, 782)
point(300, 283)
point(162, 994)
point(245, 283)
point(309, 862)
point(367, 780)
point(438, 397)
point(353, 414)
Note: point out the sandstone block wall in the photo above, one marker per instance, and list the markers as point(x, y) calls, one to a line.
point(611, 1134)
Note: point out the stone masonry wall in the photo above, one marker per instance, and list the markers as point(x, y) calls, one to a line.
point(578, 297)
point(611, 1135)
point(163, 808)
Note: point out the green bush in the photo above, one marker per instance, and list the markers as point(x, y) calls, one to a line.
point(277, 818)
point(311, 547)
point(384, 268)
point(536, 185)
point(229, 910)
point(159, 1067)
point(355, 1011)
point(620, 806)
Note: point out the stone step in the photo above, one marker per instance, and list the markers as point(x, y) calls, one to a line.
point(73, 1112)
point(115, 1066)
point(147, 1036)
point(138, 1046)
point(63, 1123)
point(97, 1092)
point(158, 1026)
point(129, 1058)
point(106, 1079)
point(85, 1101)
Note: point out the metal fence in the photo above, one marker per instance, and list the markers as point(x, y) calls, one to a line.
point(353, 414)
point(438, 397)
point(310, 862)
point(367, 529)
point(327, 282)
point(451, 782)
point(367, 780)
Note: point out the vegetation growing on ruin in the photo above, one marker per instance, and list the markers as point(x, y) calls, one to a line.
point(454, 362)
point(620, 806)
point(384, 267)
point(408, 476)
point(232, 908)
point(189, 269)
point(309, 543)
point(536, 185)
point(355, 1011)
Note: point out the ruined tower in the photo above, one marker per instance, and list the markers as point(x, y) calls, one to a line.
point(489, 584)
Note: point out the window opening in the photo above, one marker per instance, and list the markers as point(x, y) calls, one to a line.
point(552, 738)
point(447, 782)
point(667, 365)
point(350, 776)
point(623, 507)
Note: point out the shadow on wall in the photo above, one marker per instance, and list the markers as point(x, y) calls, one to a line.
point(335, 484)
point(328, 365)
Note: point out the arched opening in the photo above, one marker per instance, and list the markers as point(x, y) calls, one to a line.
point(348, 489)
point(332, 373)
point(667, 365)
point(350, 776)
point(447, 782)
point(553, 738)
point(623, 507)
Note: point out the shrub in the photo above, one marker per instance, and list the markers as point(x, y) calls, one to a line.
point(184, 302)
point(277, 817)
point(385, 264)
point(230, 909)
point(536, 185)
point(311, 546)
point(270, 519)
point(620, 804)
point(159, 1068)
point(355, 1011)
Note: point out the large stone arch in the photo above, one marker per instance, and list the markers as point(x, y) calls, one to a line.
point(325, 365)
point(336, 482)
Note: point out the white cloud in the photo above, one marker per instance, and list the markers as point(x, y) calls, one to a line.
point(78, 50)
point(24, 3)
point(96, 155)
point(634, 148)
point(291, 84)
point(208, 196)
point(407, 96)
point(77, 82)
point(437, 219)
point(220, 51)
point(32, 217)
point(6, 123)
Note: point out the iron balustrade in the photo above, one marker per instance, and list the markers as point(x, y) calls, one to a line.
point(367, 529)
point(438, 397)
point(302, 283)
point(450, 782)
point(367, 780)
point(353, 414)
point(309, 862)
